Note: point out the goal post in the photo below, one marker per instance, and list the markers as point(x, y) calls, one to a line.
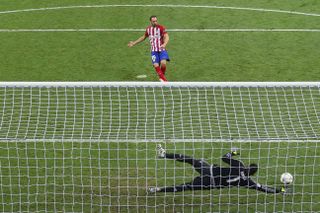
point(91, 146)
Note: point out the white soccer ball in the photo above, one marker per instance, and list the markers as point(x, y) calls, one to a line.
point(286, 178)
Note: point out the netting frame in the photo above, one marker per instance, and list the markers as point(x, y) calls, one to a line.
point(156, 84)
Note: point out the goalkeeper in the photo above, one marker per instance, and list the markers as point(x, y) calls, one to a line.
point(215, 177)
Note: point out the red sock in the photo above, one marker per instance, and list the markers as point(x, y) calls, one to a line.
point(163, 68)
point(160, 74)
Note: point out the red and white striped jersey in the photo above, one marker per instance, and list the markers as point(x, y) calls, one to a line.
point(155, 35)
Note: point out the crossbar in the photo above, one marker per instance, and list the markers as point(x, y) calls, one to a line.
point(158, 84)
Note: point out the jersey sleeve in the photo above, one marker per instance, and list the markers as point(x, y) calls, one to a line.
point(163, 30)
point(146, 33)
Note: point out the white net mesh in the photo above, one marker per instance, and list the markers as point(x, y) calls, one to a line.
point(89, 148)
point(120, 113)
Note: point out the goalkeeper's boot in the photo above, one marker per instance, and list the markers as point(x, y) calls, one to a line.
point(161, 151)
point(153, 190)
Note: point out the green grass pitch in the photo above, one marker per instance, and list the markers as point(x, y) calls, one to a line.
point(112, 177)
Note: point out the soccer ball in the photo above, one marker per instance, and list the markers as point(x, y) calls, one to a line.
point(286, 178)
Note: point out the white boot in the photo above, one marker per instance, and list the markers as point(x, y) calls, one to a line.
point(161, 151)
point(153, 189)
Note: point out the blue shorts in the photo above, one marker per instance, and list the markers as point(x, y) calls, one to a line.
point(156, 57)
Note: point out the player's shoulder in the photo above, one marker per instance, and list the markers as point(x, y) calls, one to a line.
point(162, 28)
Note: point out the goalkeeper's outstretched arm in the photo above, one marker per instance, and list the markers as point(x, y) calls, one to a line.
point(227, 158)
point(193, 186)
point(264, 188)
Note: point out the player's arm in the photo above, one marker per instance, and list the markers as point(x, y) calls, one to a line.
point(165, 40)
point(264, 188)
point(132, 43)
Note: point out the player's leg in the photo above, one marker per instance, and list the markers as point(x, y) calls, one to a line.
point(164, 57)
point(199, 164)
point(163, 65)
point(155, 57)
point(179, 157)
point(159, 72)
point(178, 188)
point(199, 183)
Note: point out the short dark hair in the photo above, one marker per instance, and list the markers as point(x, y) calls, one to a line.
point(151, 17)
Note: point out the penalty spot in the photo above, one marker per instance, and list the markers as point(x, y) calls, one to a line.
point(141, 76)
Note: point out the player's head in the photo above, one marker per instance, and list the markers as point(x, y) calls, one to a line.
point(153, 20)
point(252, 169)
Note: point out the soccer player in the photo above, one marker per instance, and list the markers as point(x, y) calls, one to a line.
point(159, 39)
point(213, 176)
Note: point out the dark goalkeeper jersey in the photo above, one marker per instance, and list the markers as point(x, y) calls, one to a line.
point(221, 177)
point(213, 176)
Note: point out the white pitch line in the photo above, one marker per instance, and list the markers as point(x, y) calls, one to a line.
point(169, 30)
point(169, 6)
point(72, 30)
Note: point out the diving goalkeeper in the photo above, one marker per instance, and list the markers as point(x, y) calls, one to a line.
point(215, 177)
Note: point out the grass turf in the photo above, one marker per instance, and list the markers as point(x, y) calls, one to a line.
point(82, 177)
point(195, 56)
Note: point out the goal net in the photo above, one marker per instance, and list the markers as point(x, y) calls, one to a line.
point(91, 146)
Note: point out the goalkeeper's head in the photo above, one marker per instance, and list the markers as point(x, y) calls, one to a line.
point(252, 169)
